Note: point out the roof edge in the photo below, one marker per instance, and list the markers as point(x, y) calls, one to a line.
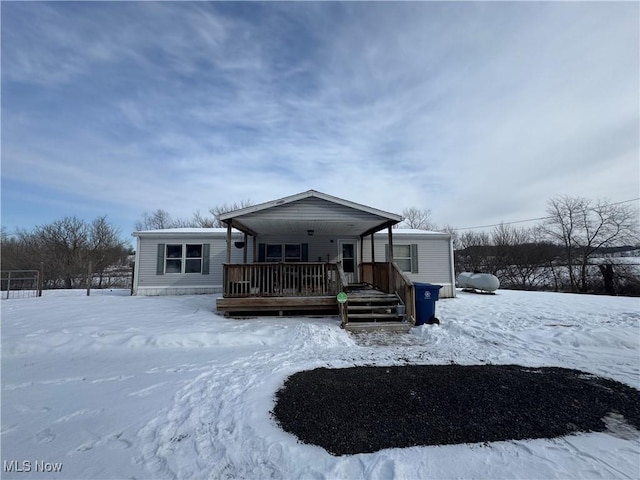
point(309, 194)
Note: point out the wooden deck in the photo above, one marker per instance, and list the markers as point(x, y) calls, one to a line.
point(311, 288)
point(242, 306)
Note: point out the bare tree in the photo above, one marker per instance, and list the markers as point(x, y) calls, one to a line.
point(521, 258)
point(161, 219)
point(474, 252)
point(65, 248)
point(455, 236)
point(419, 219)
point(584, 227)
point(225, 208)
point(106, 248)
point(157, 220)
point(64, 245)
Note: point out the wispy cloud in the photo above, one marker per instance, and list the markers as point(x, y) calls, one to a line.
point(479, 111)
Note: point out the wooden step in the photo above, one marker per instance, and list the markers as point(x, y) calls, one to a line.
point(373, 299)
point(367, 308)
point(373, 326)
point(387, 316)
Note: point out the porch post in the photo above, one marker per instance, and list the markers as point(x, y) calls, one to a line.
point(361, 259)
point(390, 235)
point(229, 242)
point(244, 253)
point(373, 261)
point(255, 249)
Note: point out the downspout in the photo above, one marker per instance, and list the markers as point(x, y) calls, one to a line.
point(136, 269)
point(453, 268)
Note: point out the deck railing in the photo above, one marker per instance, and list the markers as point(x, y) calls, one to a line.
point(280, 279)
point(377, 274)
point(403, 287)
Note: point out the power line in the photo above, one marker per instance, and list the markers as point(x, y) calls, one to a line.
point(533, 219)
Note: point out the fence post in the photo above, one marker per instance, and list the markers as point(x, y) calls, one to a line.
point(89, 279)
point(40, 278)
point(133, 275)
point(8, 284)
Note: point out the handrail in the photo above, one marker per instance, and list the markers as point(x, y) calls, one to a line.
point(341, 276)
point(377, 274)
point(399, 271)
point(403, 287)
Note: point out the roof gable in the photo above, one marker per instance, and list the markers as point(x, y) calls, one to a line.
point(310, 210)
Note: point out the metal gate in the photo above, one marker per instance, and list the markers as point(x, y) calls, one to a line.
point(20, 284)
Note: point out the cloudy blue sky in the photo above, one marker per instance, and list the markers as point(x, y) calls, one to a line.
point(480, 112)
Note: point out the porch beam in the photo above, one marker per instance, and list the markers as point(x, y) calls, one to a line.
point(373, 230)
point(239, 226)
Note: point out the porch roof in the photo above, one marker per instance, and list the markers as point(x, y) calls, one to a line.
point(310, 211)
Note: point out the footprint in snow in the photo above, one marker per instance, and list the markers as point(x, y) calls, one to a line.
point(45, 436)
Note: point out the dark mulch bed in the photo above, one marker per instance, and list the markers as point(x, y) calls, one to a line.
point(366, 409)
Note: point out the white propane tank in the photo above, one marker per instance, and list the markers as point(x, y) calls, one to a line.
point(478, 281)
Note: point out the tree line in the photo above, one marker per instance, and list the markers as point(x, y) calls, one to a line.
point(574, 248)
point(581, 245)
point(66, 251)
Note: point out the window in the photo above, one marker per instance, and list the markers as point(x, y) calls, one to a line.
point(274, 253)
point(174, 259)
point(183, 258)
point(406, 257)
point(402, 256)
point(193, 262)
point(292, 252)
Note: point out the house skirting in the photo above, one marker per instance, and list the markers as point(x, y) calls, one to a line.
point(156, 291)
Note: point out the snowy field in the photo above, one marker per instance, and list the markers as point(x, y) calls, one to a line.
point(112, 386)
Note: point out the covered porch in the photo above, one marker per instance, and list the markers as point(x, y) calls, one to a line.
point(299, 252)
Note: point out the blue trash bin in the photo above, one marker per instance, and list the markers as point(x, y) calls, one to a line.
point(427, 295)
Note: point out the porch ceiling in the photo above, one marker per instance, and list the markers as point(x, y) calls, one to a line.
point(302, 226)
point(324, 214)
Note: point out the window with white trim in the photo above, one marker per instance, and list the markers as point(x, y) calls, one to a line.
point(183, 258)
point(405, 256)
point(402, 256)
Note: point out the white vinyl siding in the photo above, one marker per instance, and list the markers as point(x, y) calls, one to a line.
point(148, 263)
point(434, 263)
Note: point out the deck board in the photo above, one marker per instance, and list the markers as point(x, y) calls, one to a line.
point(278, 304)
point(374, 326)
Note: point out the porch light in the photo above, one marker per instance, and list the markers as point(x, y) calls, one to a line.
point(310, 232)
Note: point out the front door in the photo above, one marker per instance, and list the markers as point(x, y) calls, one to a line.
point(347, 255)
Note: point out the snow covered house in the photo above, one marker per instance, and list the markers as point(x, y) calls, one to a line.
point(295, 254)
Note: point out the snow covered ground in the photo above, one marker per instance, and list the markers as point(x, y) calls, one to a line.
point(113, 386)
